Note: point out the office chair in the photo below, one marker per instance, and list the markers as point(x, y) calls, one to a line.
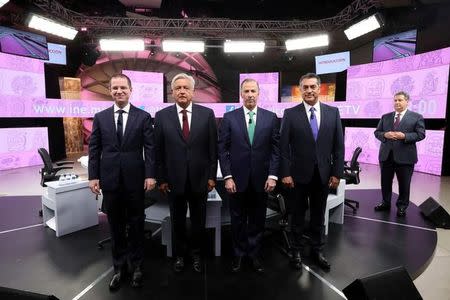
point(276, 202)
point(351, 176)
point(151, 197)
point(49, 171)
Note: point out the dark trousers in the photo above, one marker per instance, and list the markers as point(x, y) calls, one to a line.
point(125, 211)
point(404, 173)
point(197, 214)
point(248, 217)
point(317, 193)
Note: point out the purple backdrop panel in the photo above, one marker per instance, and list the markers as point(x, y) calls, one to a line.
point(395, 46)
point(147, 86)
point(268, 85)
point(21, 76)
point(429, 151)
point(18, 146)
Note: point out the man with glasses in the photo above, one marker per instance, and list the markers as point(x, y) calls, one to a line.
point(312, 162)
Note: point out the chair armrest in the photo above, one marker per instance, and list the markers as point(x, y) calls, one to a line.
point(64, 162)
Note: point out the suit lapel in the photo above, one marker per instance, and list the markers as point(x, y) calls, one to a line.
point(130, 123)
point(260, 119)
point(403, 120)
point(392, 120)
point(304, 119)
point(193, 129)
point(113, 122)
point(173, 117)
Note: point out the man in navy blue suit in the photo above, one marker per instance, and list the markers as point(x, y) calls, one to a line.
point(186, 157)
point(122, 166)
point(249, 159)
point(398, 133)
point(312, 162)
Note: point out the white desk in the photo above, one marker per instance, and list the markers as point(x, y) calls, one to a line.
point(159, 213)
point(334, 211)
point(69, 208)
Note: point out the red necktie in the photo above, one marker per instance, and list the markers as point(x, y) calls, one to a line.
point(185, 125)
point(396, 121)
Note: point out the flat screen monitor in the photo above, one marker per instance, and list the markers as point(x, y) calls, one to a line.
point(395, 46)
point(18, 42)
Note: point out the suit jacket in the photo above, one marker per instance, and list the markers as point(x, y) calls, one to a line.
point(299, 151)
point(176, 158)
point(403, 151)
point(134, 159)
point(248, 163)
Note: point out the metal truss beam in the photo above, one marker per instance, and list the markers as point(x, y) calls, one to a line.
point(203, 28)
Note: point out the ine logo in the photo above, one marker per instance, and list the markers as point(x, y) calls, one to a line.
point(230, 108)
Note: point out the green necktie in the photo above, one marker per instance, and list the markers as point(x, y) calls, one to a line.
point(251, 126)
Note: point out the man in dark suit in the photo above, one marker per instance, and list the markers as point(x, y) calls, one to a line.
point(122, 166)
point(398, 133)
point(249, 158)
point(186, 156)
point(312, 162)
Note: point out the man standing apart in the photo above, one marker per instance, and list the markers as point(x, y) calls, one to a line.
point(398, 133)
point(121, 164)
point(249, 159)
point(186, 156)
point(312, 162)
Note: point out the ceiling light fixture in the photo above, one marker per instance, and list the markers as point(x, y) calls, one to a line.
point(314, 41)
point(243, 46)
point(364, 26)
point(52, 27)
point(183, 46)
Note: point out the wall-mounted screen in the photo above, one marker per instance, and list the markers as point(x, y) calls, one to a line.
point(18, 42)
point(395, 46)
point(56, 54)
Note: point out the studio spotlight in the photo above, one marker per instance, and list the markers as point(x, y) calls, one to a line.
point(122, 44)
point(3, 2)
point(183, 46)
point(52, 27)
point(364, 26)
point(243, 46)
point(307, 42)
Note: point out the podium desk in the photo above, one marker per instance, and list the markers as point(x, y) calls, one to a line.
point(69, 208)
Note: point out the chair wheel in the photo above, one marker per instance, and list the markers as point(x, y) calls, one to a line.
point(40, 213)
point(100, 246)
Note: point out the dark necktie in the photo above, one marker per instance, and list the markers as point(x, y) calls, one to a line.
point(185, 125)
point(397, 121)
point(120, 126)
point(313, 122)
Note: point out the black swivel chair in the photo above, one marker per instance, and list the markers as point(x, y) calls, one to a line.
point(351, 176)
point(276, 202)
point(49, 171)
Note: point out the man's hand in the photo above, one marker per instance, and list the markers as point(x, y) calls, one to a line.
point(288, 182)
point(270, 185)
point(94, 185)
point(230, 186)
point(149, 184)
point(164, 188)
point(398, 135)
point(333, 183)
point(390, 135)
point(211, 185)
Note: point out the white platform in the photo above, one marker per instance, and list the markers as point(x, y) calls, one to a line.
point(69, 208)
point(334, 211)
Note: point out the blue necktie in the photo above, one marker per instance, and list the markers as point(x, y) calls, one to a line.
point(313, 122)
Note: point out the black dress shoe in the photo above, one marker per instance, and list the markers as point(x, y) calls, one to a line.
point(257, 265)
point(114, 284)
point(296, 260)
point(236, 264)
point(178, 266)
point(401, 212)
point(321, 261)
point(197, 264)
point(137, 280)
point(382, 207)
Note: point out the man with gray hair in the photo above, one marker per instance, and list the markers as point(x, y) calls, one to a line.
point(186, 161)
point(398, 133)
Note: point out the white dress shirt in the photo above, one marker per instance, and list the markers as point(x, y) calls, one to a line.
point(188, 113)
point(126, 112)
point(317, 112)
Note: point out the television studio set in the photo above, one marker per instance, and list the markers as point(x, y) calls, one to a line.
point(212, 149)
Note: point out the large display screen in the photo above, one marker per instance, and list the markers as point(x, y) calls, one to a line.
point(371, 87)
point(18, 42)
point(395, 46)
point(429, 150)
point(18, 146)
